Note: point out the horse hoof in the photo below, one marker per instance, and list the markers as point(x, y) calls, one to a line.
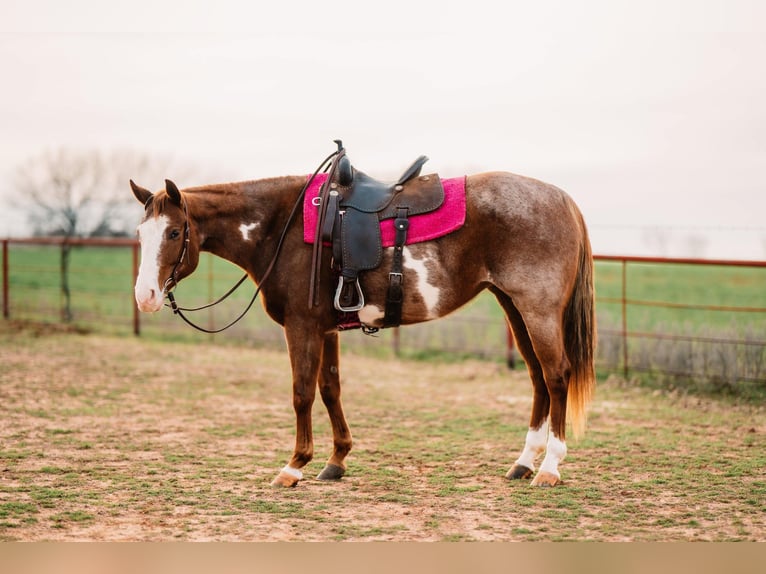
point(285, 480)
point(546, 479)
point(331, 472)
point(519, 471)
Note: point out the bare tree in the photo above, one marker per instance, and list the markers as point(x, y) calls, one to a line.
point(81, 193)
point(72, 193)
point(696, 245)
point(658, 239)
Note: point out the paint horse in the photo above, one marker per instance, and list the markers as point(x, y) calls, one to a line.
point(524, 240)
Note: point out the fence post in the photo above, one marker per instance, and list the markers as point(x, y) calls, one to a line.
point(396, 342)
point(136, 314)
point(210, 295)
point(6, 304)
point(625, 318)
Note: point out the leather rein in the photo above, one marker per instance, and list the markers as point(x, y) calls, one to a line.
point(171, 283)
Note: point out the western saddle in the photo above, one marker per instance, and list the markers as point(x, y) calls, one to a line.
point(351, 206)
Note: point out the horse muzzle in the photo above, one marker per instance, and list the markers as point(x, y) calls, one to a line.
point(149, 300)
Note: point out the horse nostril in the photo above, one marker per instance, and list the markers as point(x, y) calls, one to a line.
point(152, 294)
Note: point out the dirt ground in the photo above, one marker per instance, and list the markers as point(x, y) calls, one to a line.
point(121, 439)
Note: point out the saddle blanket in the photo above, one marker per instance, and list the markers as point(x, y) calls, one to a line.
point(448, 218)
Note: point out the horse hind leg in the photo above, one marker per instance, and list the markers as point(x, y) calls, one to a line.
point(537, 433)
point(329, 388)
point(547, 341)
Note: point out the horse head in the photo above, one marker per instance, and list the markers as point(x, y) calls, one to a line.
point(169, 250)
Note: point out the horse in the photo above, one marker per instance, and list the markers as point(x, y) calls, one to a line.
point(522, 239)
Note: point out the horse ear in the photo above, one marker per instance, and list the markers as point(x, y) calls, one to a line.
point(173, 193)
point(141, 194)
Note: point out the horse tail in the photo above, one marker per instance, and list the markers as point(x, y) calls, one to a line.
point(580, 336)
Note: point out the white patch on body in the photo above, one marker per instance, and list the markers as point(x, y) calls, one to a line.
point(554, 454)
point(369, 314)
point(149, 295)
point(246, 229)
point(534, 446)
point(428, 292)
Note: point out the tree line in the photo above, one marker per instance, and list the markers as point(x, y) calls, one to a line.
point(70, 193)
point(74, 193)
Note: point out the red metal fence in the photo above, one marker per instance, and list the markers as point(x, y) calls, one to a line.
point(747, 330)
point(632, 337)
point(122, 243)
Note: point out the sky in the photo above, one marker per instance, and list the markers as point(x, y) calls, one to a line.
point(651, 114)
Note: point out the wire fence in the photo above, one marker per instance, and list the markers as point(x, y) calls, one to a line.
point(673, 318)
point(684, 319)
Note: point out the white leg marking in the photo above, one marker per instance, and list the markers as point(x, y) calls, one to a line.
point(369, 314)
point(534, 446)
point(429, 293)
point(246, 229)
point(149, 295)
point(294, 472)
point(554, 454)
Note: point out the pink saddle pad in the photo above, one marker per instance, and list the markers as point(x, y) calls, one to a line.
point(448, 218)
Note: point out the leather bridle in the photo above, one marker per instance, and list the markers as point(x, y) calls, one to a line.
point(171, 282)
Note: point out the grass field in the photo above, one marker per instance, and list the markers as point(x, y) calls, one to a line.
point(102, 301)
point(114, 438)
point(684, 285)
point(103, 275)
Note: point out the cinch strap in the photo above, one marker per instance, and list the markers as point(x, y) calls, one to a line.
point(395, 293)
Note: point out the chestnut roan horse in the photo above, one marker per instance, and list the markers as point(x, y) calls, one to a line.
point(524, 240)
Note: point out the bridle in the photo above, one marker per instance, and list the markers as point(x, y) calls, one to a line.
point(172, 282)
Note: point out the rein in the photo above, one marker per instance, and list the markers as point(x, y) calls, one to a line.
point(178, 310)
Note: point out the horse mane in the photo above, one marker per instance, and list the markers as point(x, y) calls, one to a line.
point(160, 201)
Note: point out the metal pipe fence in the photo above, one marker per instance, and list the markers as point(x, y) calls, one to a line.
point(669, 316)
point(687, 330)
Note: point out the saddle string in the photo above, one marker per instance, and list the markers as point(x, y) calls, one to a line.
point(316, 254)
point(178, 310)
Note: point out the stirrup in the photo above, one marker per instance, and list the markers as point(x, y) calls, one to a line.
point(359, 293)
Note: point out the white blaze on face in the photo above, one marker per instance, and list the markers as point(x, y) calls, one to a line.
point(149, 294)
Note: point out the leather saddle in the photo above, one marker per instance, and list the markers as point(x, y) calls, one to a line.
point(352, 204)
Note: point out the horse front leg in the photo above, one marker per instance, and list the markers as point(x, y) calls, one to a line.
point(305, 349)
point(329, 388)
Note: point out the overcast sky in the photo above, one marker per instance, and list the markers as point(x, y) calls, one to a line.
point(649, 113)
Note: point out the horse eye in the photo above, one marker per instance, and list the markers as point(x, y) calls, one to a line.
point(175, 234)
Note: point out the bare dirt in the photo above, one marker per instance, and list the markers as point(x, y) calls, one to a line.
point(122, 439)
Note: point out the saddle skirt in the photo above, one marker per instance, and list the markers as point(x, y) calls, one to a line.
point(424, 227)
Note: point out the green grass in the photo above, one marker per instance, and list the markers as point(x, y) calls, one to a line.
point(687, 285)
point(101, 283)
point(102, 301)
